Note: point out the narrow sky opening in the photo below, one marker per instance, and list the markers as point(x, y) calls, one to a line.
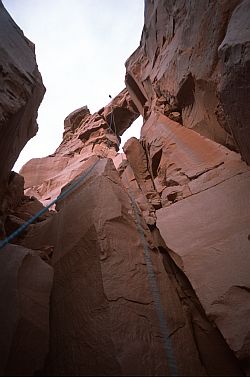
point(81, 49)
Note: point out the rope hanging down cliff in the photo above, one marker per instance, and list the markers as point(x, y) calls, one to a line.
point(154, 287)
point(24, 226)
point(18, 231)
point(112, 121)
point(151, 275)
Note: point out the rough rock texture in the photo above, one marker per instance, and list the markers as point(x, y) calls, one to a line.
point(129, 181)
point(103, 318)
point(137, 159)
point(214, 254)
point(25, 286)
point(21, 93)
point(193, 64)
point(204, 191)
point(85, 135)
point(18, 208)
point(193, 67)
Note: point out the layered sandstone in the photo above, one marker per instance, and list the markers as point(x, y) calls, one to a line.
point(204, 220)
point(21, 93)
point(191, 73)
point(85, 135)
point(193, 66)
point(103, 314)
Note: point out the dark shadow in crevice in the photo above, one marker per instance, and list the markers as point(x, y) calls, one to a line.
point(185, 96)
point(214, 353)
point(156, 162)
point(135, 88)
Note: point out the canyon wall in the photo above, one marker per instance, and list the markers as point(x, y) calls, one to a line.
point(141, 266)
point(26, 280)
point(21, 93)
point(193, 64)
point(190, 80)
point(84, 135)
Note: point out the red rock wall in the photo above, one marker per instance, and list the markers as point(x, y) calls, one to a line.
point(25, 287)
point(193, 66)
point(204, 221)
point(21, 93)
point(85, 135)
point(103, 315)
point(191, 73)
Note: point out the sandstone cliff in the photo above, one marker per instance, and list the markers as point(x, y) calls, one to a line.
point(21, 93)
point(141, 266)
point(84, 135)
point(193, 65)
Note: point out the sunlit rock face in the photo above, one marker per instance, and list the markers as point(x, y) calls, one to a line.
point(178, 197)
point(85, 135)
point(190, 80)
point(204, 221)
point(193, 65)
point(21, 93)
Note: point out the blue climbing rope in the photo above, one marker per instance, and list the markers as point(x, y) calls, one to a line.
point(153, 282)
point(152, 279)
point(19, 230)
point(154, 289)
point(24, 226)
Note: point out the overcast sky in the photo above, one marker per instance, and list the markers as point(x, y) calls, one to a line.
point(81, 48)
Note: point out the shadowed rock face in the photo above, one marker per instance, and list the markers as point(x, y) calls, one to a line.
point(193, 65)
point(25, 286)
point(21, 93)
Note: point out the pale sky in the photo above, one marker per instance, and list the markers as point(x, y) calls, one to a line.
point(81, 48)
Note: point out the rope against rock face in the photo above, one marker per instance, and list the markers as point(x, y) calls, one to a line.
point(18, 231)
point(154, 287)
point(113, 117)
point(112, 121)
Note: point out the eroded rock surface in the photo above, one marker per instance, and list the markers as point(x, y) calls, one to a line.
point(103, 314)
point(137, 159)
point(193, 66)
point(85, 135)
point(204, 220)
point(21, 93)
point(25, 287)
